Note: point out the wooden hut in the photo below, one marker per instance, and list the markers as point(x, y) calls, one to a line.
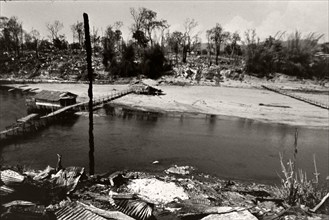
point(46, 99)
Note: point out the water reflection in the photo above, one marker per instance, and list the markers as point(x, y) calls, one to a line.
point(66, 122)
point(129, 114)
point(212, 119)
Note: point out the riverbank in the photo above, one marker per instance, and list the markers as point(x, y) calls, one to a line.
point(231, 98)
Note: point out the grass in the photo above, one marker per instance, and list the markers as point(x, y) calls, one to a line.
point(297, 188)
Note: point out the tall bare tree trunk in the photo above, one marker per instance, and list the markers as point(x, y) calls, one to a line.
point(184, 53)
point(217, 53)
point(36, 49)
point(90, 94)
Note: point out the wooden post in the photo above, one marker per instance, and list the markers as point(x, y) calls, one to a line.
point(90, 94)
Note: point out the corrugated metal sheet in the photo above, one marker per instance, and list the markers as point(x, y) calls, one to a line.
point(139, 210)
point(53, 95)
point(75, 211)
point(10, 177)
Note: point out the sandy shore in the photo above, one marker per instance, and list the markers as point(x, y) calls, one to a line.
point(246, 101)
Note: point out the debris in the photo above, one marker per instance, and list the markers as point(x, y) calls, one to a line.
point(5, 190)
point(274, 105)
point(10, 177)
point(321, 205)
point(228, 213)
point(18, 202)
point(75, 210)
point(27, 212)
point(181, 170)
point(155, 162)
point(120, 177)
point(46, 173)
point(157, 191)
point(106, 214)
point(67, 178)
point(133, 206)
point(197, 205)
point(140, 196)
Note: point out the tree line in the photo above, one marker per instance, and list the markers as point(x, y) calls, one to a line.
point(153, 49)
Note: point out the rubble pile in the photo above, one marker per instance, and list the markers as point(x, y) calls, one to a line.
point(198, 71)
point(68, 193)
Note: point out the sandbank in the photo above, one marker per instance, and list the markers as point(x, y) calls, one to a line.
point(245, 101)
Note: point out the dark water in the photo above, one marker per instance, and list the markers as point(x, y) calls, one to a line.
point(224, 146)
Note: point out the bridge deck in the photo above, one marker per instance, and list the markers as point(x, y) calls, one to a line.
point(96, 102)
point(32, 121)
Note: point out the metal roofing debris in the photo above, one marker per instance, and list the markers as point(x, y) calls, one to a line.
point(76, 211)
point(10, 177)
point(54, 95)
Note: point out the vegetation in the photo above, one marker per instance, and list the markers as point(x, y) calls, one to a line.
point(296, 188)
point(152, 47)
point(295, 56)
point(218, 37)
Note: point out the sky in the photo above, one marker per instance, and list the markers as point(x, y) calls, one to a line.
point(267, 17)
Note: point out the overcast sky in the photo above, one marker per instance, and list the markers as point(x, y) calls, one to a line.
point(267, 17)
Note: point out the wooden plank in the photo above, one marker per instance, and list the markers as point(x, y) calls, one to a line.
point(27, 118)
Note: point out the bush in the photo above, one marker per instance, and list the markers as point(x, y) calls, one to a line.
point(60, 43)
point(75, 46)
point(264, 58)
point(153, 62)
point(204, 52)
point(320, 67)
point(299, 54)
point(126, 67)
point(45, 45)
point(295, 57)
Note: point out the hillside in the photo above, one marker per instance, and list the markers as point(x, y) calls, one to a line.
point(60, 65)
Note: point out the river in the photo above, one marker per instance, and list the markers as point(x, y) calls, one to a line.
point(228, 147)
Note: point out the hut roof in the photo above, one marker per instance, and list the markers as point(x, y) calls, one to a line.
point(54, 95)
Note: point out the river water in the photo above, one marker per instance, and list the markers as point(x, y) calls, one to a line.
point(228, 147)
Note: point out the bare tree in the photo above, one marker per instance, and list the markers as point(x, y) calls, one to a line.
point(145, 21)
point(175, 41)
point(138, 17)
point(12, 34)
point(95, 39)
point(117, 25)
point(209, 46)
point(78, 31)
point(54, 29)
point(189, 25)
point(163, 35)
point(218, 36)
point(250, 37)
point(234, 39)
